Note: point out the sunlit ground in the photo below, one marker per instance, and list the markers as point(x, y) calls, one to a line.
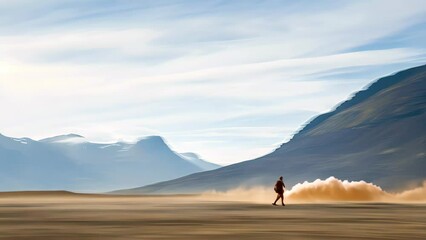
point(69, 216)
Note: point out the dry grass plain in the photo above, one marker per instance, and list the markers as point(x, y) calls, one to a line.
point(62, 215)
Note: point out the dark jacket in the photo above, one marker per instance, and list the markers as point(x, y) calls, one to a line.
point(279, 186)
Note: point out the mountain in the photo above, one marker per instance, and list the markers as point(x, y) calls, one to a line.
point(379, 136)
point(28, 164)
point(195, 159)
point(71, 162)
point(70, 138)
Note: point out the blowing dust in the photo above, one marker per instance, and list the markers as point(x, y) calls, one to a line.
point(323, 191)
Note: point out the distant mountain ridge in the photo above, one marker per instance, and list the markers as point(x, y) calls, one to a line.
point(195, 159)
point(379, 135)
point(70, 162)
point(61, 138)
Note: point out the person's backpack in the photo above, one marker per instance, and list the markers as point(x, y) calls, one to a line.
point(276, 188)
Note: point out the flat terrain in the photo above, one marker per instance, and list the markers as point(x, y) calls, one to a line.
point(62, 215)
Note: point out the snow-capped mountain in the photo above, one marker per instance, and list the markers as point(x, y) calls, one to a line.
point(71, 162)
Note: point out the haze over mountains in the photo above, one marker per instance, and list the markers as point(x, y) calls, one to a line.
point(70, 162)
point(379, 136)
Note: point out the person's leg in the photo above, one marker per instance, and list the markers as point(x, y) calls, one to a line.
point(278, 197)
point(282, 199)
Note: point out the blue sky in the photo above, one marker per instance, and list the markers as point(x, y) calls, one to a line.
point(229, 80)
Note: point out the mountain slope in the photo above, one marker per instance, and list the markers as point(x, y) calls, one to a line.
point(195, 159)
point(378, 136)
point(71, 162)
point(28, 164)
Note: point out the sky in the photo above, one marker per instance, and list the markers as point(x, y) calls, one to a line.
point(228, 80)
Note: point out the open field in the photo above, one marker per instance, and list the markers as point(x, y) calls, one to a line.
point(62, 215)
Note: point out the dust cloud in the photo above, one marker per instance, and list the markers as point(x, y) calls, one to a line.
point(318, 191)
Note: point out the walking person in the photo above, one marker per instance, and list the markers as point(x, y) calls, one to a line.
point(279, 189)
